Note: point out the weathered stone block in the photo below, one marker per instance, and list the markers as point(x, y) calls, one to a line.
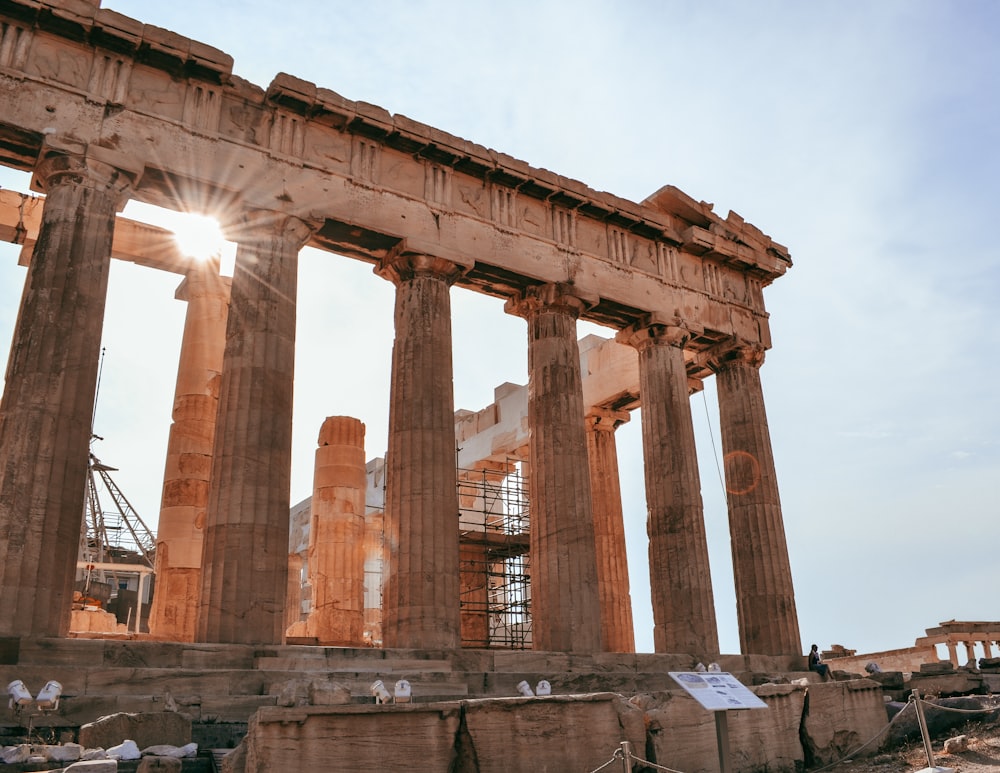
point(840, 717)
point(363, 737)
point(94, 766)
point(69, 752)
point(891, 680)
point(947, 684)
point(145, 729)
point(159, 765)
point(579, 732)
point(683, 734)
point(956, 745)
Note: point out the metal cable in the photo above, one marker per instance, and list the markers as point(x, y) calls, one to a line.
point(958, 710)
point(653, 764)
point(617, 756)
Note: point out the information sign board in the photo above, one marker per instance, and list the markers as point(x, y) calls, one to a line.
point(717, 690)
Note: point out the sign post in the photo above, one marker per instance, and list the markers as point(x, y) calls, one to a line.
point(718, 692)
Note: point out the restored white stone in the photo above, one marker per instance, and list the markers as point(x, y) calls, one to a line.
point(127, 750)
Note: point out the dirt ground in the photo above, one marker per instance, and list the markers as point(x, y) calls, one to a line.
point(983, 755)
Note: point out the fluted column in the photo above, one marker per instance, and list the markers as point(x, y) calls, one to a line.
point(336, 534)
point(565, 604)
point(245, 554)
point(765, 599)
point(617, 631)
point(680, 579)
point(421, 587)
point(179, 536)
point(48, 400)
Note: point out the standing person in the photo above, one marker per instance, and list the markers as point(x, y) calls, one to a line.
point(816, 663)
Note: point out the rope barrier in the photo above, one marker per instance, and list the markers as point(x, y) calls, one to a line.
point(957, 710)
point(612, 761)
point(654, 765)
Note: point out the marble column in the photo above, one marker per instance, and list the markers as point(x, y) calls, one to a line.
point(337, 535)
point(617, 630)
point(174, 613)
point(680, 578)
point(245, 553)
point(565, 603)
point(421, 586)
point(765, 599)
point(48, 399)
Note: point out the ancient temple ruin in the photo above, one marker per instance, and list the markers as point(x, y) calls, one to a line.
point(101, 109)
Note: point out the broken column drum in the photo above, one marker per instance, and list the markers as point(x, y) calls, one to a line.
point(174, 613)
point(336, 535)
point(294, 164)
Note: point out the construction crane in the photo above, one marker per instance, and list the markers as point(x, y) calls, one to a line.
point(117, 548)
point(115, 534)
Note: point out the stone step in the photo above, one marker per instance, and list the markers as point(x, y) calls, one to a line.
point(312, 663)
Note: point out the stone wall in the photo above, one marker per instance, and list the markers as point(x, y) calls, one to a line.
point(819, 724)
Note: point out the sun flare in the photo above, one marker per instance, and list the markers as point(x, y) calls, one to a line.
point(199, 236)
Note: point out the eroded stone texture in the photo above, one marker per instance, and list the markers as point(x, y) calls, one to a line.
point(421, 585)
point(609, 531)
point(180, 532)
point(245, 566)
point(842, 716)
point(48, 400)
point(683, 734)
point(564, 596)
point(765, 598)
point(564, 733)
point(353, 738)
point(146, 729)
point(680, 578)
point(336, 536)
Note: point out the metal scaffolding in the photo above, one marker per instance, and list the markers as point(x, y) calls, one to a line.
point(495, 601)
point(113, 534)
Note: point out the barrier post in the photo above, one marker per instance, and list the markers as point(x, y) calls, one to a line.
point(922, 721)
point(722, 736)
point(626, 757)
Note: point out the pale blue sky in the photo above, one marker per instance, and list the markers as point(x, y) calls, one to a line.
point(864, 136)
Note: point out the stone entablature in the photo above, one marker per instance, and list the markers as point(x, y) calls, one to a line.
point(369, 179)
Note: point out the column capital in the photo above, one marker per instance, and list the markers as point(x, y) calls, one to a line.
point(605, 419)
point(64, 161)
point(258, 226)
point(658, 329)
point(203, 279)
point(403, 265)
point(553, 296)
point(734, 351)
